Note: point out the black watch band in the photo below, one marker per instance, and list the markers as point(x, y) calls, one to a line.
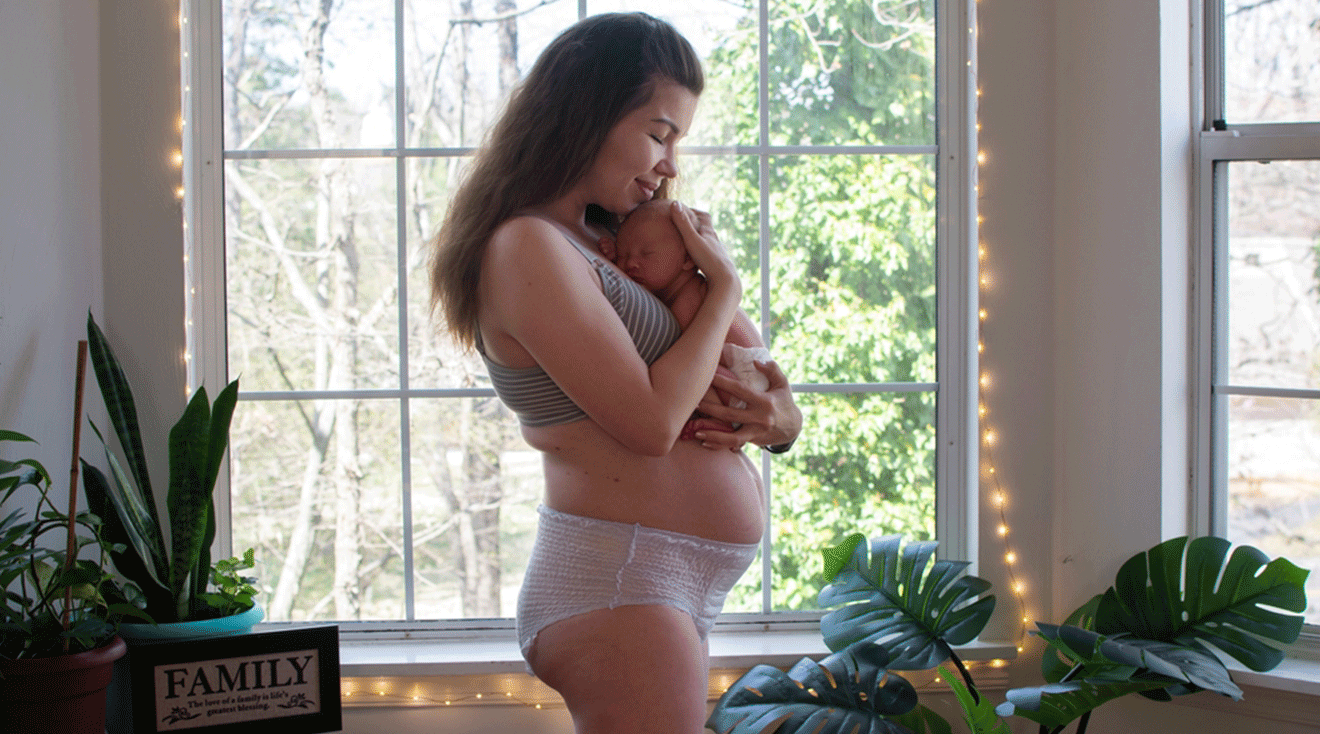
point(780, 448)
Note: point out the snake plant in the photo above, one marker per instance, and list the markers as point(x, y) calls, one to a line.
point(174, 577)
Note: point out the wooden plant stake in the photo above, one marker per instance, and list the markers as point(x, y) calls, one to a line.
point(72, 546)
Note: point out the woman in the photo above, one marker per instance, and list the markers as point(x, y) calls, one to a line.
point(641, 535)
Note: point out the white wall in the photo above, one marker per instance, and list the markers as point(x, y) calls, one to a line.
point(50, 214)
point(1085, 138)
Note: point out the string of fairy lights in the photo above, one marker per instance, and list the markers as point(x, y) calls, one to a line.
point(385, 691)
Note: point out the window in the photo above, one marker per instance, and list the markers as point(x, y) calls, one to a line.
point(1259, 276)
point(372, 467)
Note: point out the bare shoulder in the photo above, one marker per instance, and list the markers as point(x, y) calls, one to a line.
point(521, 237)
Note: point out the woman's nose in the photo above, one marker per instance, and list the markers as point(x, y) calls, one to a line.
point(668, 166)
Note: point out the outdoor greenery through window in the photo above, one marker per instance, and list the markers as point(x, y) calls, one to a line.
point(1261, 167)
point(372, 468)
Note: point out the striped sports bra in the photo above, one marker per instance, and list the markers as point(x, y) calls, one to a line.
point(535, 398)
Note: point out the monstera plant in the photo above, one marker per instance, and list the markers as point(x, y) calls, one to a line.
point(902, 610)
point(1153, 633)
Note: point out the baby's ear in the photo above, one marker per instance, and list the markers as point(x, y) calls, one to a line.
point(606, 245)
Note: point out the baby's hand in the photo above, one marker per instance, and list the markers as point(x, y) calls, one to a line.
point(606, 245)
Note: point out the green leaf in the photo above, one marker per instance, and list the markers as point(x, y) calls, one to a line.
point(222, 412)
point(837, 558)
point(978, 713)
point(849, 691)
point(922, 720)
point(138, 520)
point(1238, 614)
point(1058, 704)
point(1053, 665)
point(1112, 667)
point(915, 606)
point(189, 498)
point(118, 398)
point(130, 561)
point(1112, 658)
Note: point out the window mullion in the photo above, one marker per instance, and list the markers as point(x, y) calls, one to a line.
point(203, 220)
point(401, 265)
point(956, 423)
point(763, 220)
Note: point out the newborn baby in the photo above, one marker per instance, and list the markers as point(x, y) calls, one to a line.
point(650, 250)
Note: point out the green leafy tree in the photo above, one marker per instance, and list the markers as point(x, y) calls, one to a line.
point(851, 261)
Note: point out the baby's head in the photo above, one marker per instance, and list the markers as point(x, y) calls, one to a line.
point(649, 247)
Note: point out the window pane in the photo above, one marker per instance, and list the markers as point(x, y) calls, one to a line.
point(434, 359)
point(853, 267)
point(475, 488)
point(867, 464)
point(724, 36)
point(315, 490)
point(725, 186)
point(1274, 482)
point(1273, 335)
point(286, 86)
point(460, 67)
point(847, 73)
point(310, 263)
point(1271, 61)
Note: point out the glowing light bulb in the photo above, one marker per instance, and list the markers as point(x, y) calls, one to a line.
point(1002, 530)
point(1010, 558)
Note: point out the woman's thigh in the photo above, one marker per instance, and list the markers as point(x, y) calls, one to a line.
point(639, 669)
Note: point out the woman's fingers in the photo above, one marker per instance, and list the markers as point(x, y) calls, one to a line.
point(769, 418)
point(699, 236)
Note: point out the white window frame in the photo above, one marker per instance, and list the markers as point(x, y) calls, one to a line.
point(1233, 142)
point(957, 462)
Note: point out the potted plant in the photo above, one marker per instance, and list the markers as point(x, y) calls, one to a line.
point(167, 556)
point(175, 579)
point(61, 607)
point(1151, 633)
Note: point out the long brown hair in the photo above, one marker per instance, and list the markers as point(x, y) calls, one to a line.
point(549, 134)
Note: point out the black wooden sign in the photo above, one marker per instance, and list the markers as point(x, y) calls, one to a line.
point(285, 681)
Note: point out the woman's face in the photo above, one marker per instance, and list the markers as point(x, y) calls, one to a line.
point(639, 151)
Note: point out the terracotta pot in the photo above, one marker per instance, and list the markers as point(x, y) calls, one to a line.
point(60, 695)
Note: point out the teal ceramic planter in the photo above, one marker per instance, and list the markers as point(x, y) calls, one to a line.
point(119, 698)
point(202, 629)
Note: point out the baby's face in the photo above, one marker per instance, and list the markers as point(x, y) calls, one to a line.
point(649, 248)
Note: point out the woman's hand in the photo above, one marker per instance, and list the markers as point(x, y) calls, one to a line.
point(770, 418)
point(704, 246)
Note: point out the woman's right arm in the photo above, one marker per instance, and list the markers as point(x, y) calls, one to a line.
point(539, 291)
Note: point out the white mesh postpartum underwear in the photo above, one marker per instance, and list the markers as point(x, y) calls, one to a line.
point(581, 564)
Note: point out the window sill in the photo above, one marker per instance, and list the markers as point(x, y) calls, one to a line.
point(496, 652)
point(484, 667)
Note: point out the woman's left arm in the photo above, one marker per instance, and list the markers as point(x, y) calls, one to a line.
point(770, 418)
